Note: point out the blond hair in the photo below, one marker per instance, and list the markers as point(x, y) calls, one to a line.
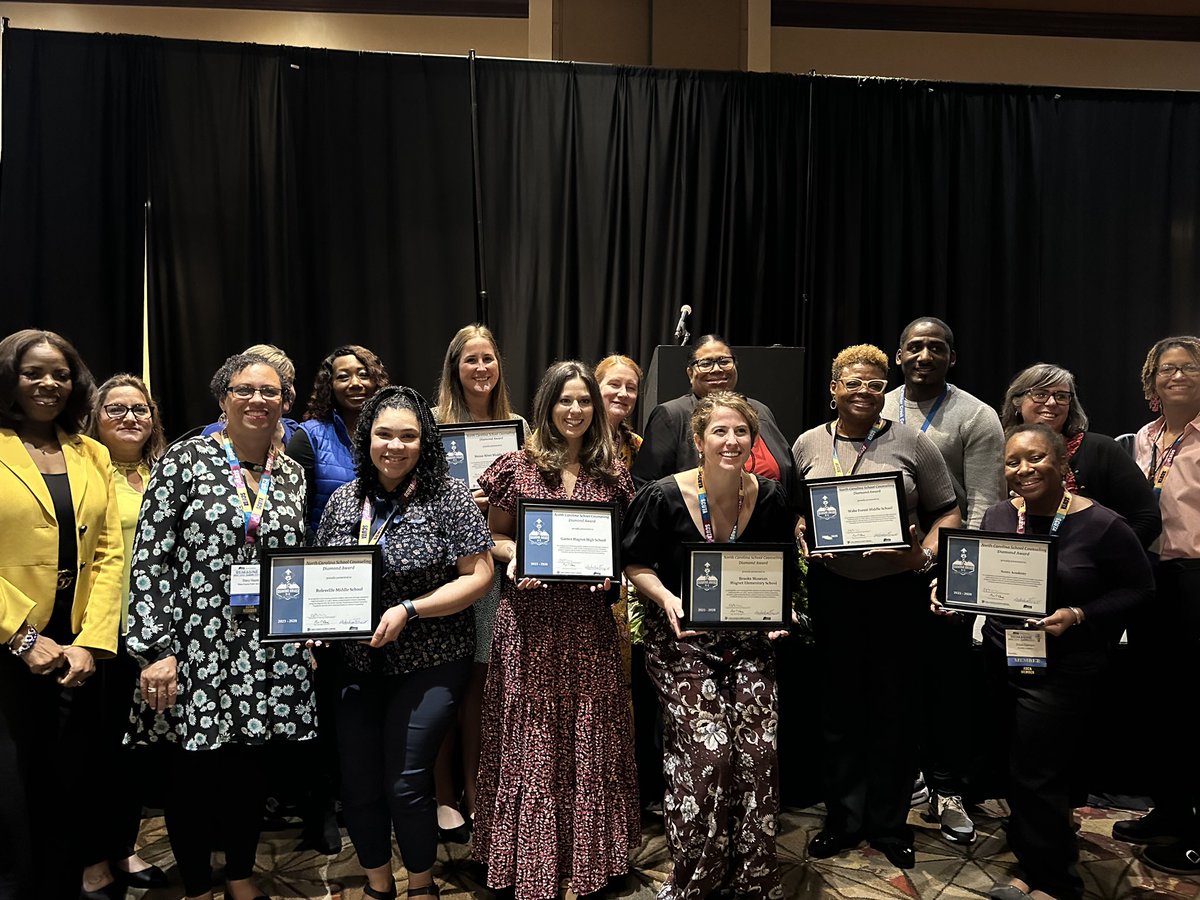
point(860, 355)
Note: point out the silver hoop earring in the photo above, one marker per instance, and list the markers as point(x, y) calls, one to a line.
point(833, 404)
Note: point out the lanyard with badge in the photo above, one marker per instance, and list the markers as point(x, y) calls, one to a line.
point(244, 577)
point(705, 514)
point(1159, 469)
point(1026, 649)
point(932, 411)
point(866, 445)
point(365, 535)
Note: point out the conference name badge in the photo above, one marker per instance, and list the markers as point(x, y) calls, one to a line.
point(244, 582)
point(1026, 651)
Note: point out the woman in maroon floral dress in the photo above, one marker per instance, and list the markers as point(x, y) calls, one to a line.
point(557, 786)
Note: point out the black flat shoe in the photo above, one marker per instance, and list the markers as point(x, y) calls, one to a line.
point(898, 854)
point(429, 890)
point(369, 891)
point(153, 877)
point(827, 844)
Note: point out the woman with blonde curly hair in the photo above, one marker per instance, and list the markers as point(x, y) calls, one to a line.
point(865, 610)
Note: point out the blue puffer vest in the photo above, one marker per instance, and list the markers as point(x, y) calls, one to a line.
point(333, 457)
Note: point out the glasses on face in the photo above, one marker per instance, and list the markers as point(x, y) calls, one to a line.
point(708, 363)
point(119, 411)
point(1040, 395)
point(246, 391)
point(1168, 370)
point(874, 386)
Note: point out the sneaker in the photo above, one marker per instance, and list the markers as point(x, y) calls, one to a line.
point(1155, 827)
point(957, 826)
point(920, 792)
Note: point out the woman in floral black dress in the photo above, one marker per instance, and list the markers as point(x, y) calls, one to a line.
point(717, 688)
point(207, 686)
point(399, 694)
point(557, 786)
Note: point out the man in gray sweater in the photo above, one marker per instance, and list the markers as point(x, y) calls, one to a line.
point(967, 432)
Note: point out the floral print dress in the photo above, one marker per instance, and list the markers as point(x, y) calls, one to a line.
point(232, 689)
point(557, 786)
point(721, 708)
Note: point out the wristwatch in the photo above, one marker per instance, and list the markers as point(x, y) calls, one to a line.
point(928, 561)
point(413, 615)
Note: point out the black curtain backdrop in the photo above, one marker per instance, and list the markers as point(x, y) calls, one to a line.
point(612, 196)
point(310, 197)
point(72, 188)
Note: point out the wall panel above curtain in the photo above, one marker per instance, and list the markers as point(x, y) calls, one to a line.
point(72, 189)
point(612, 196)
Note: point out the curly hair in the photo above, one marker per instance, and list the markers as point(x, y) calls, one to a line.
point(156, 444)
point(1057, 445)
point(451, 398)
point(430, 471)
point(546, 446)
point(859, 355)
point(602, 367)
point(83, 386)
point(709, 403)
point(1042, 375)
point(1150, 367)
point(239, 362)
point(321, 401)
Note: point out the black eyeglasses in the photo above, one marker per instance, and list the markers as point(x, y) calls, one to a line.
point(1040, 395)
point(708, 363)
point(246, 391)
point(119, 411)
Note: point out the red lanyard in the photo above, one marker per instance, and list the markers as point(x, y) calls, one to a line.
point(1063, 507)
point(706, 517)
point(251, 515)
point(866, 444)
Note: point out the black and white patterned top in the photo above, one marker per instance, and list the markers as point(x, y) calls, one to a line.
point(421, 549)
point(190, 531)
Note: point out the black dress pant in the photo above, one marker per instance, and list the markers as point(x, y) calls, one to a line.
point(1044, 719)
point(215, 802)
point(48, 748)
point(947, 694)
point(865, 632)
point(389, 730)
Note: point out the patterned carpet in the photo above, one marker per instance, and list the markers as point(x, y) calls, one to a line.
point(1110, 868)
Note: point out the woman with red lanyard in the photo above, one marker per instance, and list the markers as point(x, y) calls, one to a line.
point(1100, 575)
point(207, 687)
point(1167, 640)
point(718, 689)
point(400, 691)
point(865, 610)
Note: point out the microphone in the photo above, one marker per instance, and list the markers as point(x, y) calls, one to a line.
point(681, 332)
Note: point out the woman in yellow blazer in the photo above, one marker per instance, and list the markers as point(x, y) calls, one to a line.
point(61, 564)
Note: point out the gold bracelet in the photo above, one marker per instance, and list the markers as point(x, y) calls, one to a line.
point(1077, 613)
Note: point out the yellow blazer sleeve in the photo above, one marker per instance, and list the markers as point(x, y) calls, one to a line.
point(15, 607)
point(99, 623)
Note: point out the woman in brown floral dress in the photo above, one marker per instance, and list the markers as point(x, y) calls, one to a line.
point(716, 688)
point(557, 788)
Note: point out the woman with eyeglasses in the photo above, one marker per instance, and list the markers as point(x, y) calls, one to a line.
point(124, 419)
point(667, 444)
point(1166, 640)
point(208, 688)
point(60, 598)
point(865, 610)
point(1097, 466)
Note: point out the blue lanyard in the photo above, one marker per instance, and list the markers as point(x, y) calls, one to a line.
point(932, 412)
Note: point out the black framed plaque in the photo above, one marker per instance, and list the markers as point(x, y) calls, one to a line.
point(471, 447)
point(746, 586)
point(857, 513)
point(320, 593)
point(995, 573)
point(568, 540)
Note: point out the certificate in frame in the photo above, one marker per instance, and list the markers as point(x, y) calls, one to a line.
point(996, 573)
point(568, 540)
point(320, 593)
point(857, 513)
point(471, 447)
point(742, 586)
